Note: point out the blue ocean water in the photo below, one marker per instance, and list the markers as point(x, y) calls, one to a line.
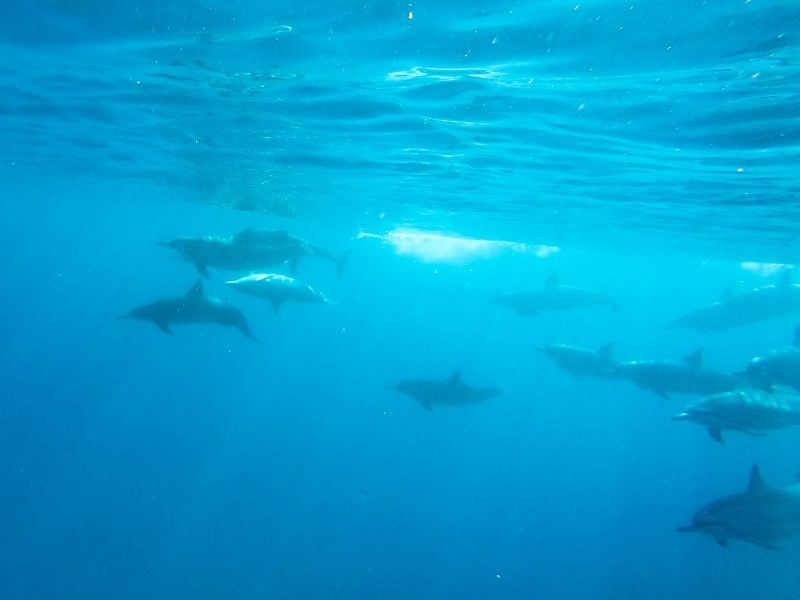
point(647, 150)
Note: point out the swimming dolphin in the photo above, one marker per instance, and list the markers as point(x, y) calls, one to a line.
point(450, 392)
point(552, 296)
point(193, 307)
point(583, 361)
point(277, 289)
point(748, 411)
point(779, 367)
point(761, 515)
point(759, 304)
point(250, 250)
point(684, 377)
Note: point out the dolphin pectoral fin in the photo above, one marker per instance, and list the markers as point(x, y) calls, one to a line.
point(721, 541)
point(796, 340)
point(716, 434)
point(661, 393)
point(427, 406)
point(293, 264)
point(552, 281)
point(276, 304)
point(202, 269)
point(341, 262)
point(245, 329)
point(163, 326)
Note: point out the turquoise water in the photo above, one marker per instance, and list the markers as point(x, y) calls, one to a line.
point(648, 151)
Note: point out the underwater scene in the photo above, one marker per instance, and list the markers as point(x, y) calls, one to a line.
point(436, 300)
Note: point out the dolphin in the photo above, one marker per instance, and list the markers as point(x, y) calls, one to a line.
point(583, 361)
point(250, 250)
point(760, 304)
point(277, 289)
point(748, 411)
point(552, 296)
point(450, 392)
point(779, 367)
point(683, 377)
point(761, 515)
point(192, 307)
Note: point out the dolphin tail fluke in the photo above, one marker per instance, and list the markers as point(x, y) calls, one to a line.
point(341, 262)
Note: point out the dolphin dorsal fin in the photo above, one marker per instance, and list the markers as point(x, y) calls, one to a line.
point(785, 279)
point(455, 377)
point(552, 281)
point(606, 351)
point(756, 482)
point(796, 341)
point(196, 290)
point(695, 359)
point(727, 294)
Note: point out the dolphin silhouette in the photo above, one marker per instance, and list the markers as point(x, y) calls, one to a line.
point(761, 515)
point(192, 307)
point(449, 392)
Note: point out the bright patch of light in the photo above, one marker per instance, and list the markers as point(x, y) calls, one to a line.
point(448, 248)
point(765, 269)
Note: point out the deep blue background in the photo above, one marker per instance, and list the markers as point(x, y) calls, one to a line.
point(136, 464)
point(655, 143)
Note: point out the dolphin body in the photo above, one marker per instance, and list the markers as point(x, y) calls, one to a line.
point(551, 297)
point(583, 361)
point(193, 307)
point(761, 515)
point(682, 377)
point(779, 367)
point(250, 250)
point(450, 392)
point(748, 411)
point(759, 304)
point(277, 289)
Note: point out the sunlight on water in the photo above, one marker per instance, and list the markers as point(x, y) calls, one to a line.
point(449, 248)
point(765, 269)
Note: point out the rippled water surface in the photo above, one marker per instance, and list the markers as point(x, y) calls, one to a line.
point(556, 121)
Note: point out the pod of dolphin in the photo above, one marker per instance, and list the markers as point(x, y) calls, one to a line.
point(761, 397)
